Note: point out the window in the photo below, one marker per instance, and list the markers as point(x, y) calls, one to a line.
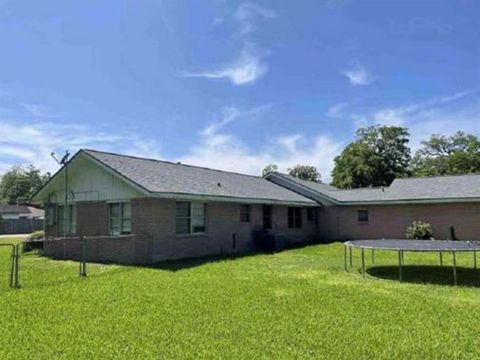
point(362, 216)
point(267, 217)
point(294, 217)
point(67, 227)
point(245, 213)
point(309, 214)
point(120, 218)
point(190, 218)
point(50, 215)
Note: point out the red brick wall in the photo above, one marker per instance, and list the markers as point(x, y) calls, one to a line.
point(121, 249)
point(157, 217)
point(391, 221)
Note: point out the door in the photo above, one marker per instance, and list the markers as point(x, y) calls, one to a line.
point(267, 217)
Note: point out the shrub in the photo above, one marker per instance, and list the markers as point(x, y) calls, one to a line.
point(36, 235)
point(36, 244)
point(419, 231)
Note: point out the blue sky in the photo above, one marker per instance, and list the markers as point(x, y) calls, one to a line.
point(231, 84)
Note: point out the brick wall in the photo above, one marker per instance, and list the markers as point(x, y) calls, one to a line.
point(391, 221)
point(120, 249)
point(157, 217)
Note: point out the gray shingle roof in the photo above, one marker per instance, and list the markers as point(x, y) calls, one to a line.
point(439, 188)
point(157, 176)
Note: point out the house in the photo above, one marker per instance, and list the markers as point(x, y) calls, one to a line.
point(174, 210)
point(20, 219)
point(451, 204)
point(148, 210)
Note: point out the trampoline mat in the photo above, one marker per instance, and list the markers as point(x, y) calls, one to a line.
point(416, 245)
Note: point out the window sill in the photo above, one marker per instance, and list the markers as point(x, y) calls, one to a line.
point(191, 235)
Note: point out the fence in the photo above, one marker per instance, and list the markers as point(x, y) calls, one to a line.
point(20, 226)
point(125, 249)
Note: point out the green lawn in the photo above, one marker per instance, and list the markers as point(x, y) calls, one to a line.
point(295, 304)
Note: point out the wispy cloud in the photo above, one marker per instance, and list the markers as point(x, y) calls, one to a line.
point(358, 75)
point(32, 143)
point(248, 13)
point(250, 64)
point(402, 114)
point(245, 70)
point(232, 113)
point(224, 150)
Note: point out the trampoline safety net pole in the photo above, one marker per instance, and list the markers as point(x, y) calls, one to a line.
point(363, 262)
point(454, 268)
point(400, 265)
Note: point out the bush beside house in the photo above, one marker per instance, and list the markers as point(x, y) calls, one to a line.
point(419, 231)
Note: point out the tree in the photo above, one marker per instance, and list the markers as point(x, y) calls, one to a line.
point(269, 168)
point(305, 172)
point(441, 155)
point(377, 156)
point(19, 183)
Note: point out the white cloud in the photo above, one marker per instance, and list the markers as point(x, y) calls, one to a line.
point(402, 114)
point(289, 141)
point(223, 150)
point(36, 110)
point(247, 13)
point(231, 113)
point(247, 69)
point(337, 110)
point(32, 143)
point(358, 75)
point(250, 64)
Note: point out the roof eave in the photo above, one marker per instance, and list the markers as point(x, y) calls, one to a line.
point(411, 201)
point(234, 199)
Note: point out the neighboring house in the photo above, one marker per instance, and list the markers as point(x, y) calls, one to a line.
point(446, 202)
point(177, 211)
point(19, 219)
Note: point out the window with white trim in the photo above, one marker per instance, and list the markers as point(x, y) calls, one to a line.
point(120, 218)
point(190, 218)
point(67, 222)
point(245, 213)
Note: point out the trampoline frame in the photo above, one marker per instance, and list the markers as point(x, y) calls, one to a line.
point(369, 245)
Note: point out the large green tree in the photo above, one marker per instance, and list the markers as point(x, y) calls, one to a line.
point(305, 172)
point(19, 183)
point(442, 155)
point(378, 155)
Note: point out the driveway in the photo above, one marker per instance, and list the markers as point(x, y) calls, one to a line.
point(13, 235)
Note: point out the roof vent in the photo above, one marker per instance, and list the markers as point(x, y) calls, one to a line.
point(179, 162)
point(218, 184)
point(383, 189)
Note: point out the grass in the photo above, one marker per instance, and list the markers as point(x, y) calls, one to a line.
point(295, 304)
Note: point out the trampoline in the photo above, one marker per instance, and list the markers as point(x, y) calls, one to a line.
point(401, 246)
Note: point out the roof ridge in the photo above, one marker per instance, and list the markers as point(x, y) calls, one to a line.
point(294, 177)
point(171, 163)
point(436, 176)
point(364, 188)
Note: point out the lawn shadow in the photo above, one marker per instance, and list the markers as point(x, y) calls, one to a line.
point(424, 274)
point(184, 264)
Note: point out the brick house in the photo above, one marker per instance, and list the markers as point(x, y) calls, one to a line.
point(448, 203)
point(174, 210)
point(154, 210)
